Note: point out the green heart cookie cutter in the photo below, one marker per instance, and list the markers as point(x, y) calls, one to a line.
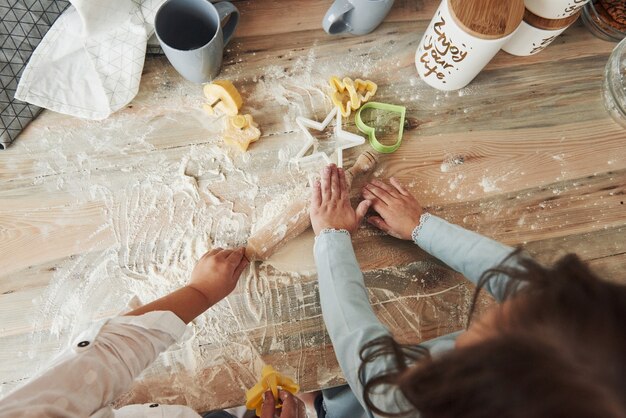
point(371, 132)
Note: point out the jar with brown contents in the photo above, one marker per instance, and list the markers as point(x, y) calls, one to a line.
point(606, 19)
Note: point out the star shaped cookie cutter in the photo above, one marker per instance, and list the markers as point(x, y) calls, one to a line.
point(352, 140)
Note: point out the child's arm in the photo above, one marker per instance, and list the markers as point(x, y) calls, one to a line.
point(213, 278)
point(469, 253)
point(98, 366)
point(348, 315)
point(103, 361)
point(465, 251)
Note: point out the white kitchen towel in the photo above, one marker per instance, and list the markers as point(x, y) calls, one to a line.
point(89, 64)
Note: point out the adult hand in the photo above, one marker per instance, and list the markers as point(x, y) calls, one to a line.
point(330, 203)
point(217, 272)
point(292, 406)
point(398, 211)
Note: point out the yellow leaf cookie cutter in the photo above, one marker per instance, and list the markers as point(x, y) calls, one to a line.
point(270, 380)
point(348, 95)
point(222, 97)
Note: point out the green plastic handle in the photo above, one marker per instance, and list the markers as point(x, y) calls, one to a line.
point(371, 132)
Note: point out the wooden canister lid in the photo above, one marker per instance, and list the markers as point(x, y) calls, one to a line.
point(487, 19)
point(549, 24)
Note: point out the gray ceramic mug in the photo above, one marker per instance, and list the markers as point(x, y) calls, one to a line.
point(190, 34)
point(357, 17)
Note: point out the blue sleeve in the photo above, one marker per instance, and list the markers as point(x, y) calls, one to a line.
point(349, 317)
point(467, 252)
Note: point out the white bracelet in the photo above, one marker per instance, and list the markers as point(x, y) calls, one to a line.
point(423, 218)
point(327, 230)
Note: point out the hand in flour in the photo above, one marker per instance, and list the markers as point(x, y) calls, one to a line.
point(292, 406)
point(330, 203)
point(217, 272)
point(398, 211)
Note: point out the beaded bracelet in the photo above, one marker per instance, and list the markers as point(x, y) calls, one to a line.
point(326, 230)
point(423, 218)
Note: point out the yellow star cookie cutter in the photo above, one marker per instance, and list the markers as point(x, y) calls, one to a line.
point(222, 97)
point(348, 95)
point(270, 380)
point(241, 131)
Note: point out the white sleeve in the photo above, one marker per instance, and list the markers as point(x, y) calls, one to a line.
point(99, 366)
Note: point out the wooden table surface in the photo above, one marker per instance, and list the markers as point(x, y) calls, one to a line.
point(93, 213)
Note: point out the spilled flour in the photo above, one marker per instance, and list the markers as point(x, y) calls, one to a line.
point(169, 192)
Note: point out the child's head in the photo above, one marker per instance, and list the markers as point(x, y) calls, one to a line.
point(555, 348)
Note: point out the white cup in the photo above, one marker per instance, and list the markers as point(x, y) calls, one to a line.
point(554, 9)
point(448, 58)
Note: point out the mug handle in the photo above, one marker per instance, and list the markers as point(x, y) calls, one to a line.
point(224, 9)
point(334, 22)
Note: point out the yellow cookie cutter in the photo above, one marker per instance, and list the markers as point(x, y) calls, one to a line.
point(241, 131)
point(365, 89)
point(270, 380)
point(348, 95)
point(222, 97)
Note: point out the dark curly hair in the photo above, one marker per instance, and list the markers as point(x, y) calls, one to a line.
point(560, 352)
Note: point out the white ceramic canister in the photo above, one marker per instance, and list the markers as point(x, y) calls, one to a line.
point(535, 33)
point(555, 9)
point(450, 54)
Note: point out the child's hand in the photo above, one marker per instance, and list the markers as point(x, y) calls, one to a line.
point(292, 406)
point(330, 203)
point(217, 273)
point(399, 211)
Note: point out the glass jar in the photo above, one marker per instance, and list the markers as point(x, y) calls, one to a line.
point(602, 18)
point(614, 91)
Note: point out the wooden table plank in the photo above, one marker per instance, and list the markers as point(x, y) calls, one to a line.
point(32, 236)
